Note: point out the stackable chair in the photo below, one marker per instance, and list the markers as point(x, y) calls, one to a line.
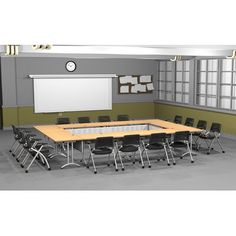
point(201, 124)
point(157, 142)
point(181, 140)
point(83, 119)
point(36, 150)
point(103, 146)
point(104, 118)
point(63, 120)
point(16, 143)
point(122, 117)
point(130, 144)
point(210, 137)
point(189, 122)
point(178, 119)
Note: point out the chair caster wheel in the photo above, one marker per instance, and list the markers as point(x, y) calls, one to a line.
point(149, 166)
point(22, 166)
point(49, 168)
point(174, 163)
point(17, 160)
point(158, 160)
point(212, 148)
point(108, 164)
point(181, 157)
point(9, 150)
point(95, 172)
point(133, 162)
point(192, 161)
point(113, 164)
point(139, 162)
point(87, 167)
point(168, 164)
point(116, 170)
point(143, 167)
point(208, 153)
point(223, 151)
point(123, 169)
point(13, 155)
point(26, 171)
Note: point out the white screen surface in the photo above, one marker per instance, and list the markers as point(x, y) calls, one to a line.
point(72, 94)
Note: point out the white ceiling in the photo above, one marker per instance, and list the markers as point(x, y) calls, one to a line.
point(128, 51)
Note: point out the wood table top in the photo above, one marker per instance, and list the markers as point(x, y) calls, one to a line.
point(59, 133)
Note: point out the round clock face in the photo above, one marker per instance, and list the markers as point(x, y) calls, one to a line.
point(70, 66)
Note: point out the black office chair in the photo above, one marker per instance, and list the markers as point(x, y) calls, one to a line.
point(189, 122)
point(122, 117)
point(104, 118)
point(157, 142)
point(103, 146)
point(212, 136)
point(37, 150)
point(63, 120)
point(83, 119)
point(130, 144)
point(181, 140)
point(202, 124)
point(178, 119)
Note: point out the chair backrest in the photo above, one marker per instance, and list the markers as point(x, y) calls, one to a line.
point(104, 142)
point(157, 138)
point(83, 119)
point(215, 127)
point(63, 120)
point(104, 118)
point(133, 139)
point(202, 124)
point(189, 121)
point(181, 136)
point(122, 117)
point(178, 119)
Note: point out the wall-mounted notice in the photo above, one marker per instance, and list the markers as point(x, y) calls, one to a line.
point(135, 84)
point(124, 89)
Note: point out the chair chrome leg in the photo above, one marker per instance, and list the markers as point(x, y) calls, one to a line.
point(94, 166)
point(16, 149)
point(46, 161)
point(88, 161)
point(27, 169)
point(141, 158)
point(19, 154)
point(190, 153)
point(114, 156)
point(10, 150)
point(167, 157)
point(218, 141)
point(171, 153)
point(149, 163)
point(209, 147)
point(121, 162)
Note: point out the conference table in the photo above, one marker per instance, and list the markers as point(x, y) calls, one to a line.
point(83, 132)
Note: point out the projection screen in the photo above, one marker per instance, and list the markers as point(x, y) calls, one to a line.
point(72, 94)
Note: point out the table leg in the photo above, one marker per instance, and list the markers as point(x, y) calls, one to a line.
point(70, 160)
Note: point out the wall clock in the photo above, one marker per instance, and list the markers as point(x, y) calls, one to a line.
point(70, 66)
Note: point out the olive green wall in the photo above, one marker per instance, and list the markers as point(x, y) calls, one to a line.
point(168, 112)
point(26, 115)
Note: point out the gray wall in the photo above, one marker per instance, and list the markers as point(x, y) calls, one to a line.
point(18, 89)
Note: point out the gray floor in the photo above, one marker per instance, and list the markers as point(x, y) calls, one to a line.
point(213, 172)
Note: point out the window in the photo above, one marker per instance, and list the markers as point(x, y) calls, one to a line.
point(182, 82)
point(228, 84)
point(214, 80)
point(165, 81)
point(206, 92)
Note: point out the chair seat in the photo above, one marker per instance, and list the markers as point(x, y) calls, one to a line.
point(129, 148)
point(155, 146)
point(208, 136)
point(178, 144)
point(102, 151)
